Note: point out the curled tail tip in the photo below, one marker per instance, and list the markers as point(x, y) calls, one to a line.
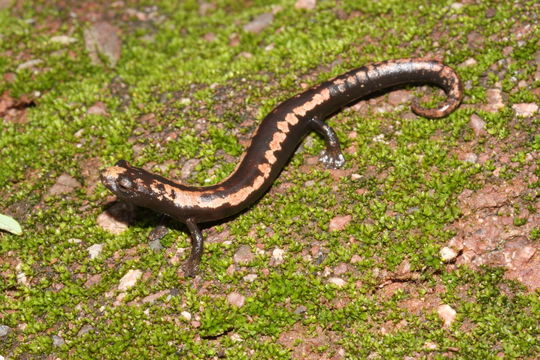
point(452, 86)
point(439, 112)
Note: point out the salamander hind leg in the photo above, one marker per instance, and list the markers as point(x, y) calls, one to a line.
point(197, 246)
point(331, 157)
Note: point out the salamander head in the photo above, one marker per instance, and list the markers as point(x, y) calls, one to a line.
point(127, 182)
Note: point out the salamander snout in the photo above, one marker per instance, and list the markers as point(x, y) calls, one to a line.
point(108, 180)
point(116, 179)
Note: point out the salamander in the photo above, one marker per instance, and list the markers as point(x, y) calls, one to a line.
point(274, 142)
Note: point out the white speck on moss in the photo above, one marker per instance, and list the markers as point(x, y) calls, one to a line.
point(277, 255)
point(63, 39)
point(339, 282)
point(447, 314)
point(186, 315)
point(94, 250)
point(448, 254)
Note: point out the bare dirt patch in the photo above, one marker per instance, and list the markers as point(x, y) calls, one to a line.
point(500, 218)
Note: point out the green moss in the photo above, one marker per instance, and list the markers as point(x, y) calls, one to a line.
point(410, 180)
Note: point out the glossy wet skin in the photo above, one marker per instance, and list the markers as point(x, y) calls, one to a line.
point(121, 182)
point(274, 142)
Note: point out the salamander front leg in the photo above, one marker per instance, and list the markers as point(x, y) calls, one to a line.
point(197, 246)
point(158, 233)
point(331, 157)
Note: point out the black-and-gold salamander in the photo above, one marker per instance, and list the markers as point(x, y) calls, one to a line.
point(273, 143)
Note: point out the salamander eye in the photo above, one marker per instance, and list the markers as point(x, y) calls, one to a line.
point(125, 184)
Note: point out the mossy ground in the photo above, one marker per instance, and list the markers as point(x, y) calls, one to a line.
point(211, 94)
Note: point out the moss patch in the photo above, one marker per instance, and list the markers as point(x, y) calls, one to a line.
point(191, 85)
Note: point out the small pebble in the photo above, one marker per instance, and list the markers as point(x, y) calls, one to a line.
point(259, 23)
point(153, 297)
point(57, 340)
point(209, 37)
point(340, 269)
point(277, 255)
point(22, 279)
point(235, 337)
point(477, 124)
point(236, 299)
point(471, 158)
point(186, 315)
point(92, 280)
point(469, 62)
point(243, 255)
point(339, 282)
point(525, 110)
point(188, 168)
point(196, 324)
point(339, 222)
point(29, 64)
point(250, 277)
point(85, 329)
point(63, 39)
point(494, 99)
point(4, 330)
point(129, 280)
point(94, 250)
point(155, 245)
point(99, 108)
point(447, 314)
point(447, 254)
point(102, 40)
point(65, 183)
point(305, 4)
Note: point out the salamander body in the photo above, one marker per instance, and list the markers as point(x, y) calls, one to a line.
point(274, 142)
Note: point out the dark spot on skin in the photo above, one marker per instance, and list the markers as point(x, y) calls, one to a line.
point(207, 197)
